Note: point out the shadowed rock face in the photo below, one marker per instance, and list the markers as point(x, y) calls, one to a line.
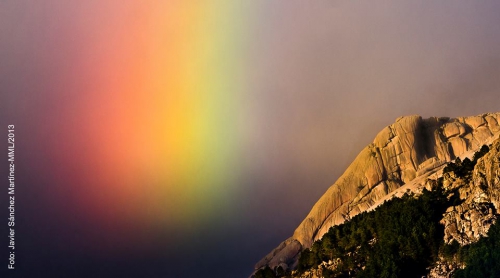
point(410, 148)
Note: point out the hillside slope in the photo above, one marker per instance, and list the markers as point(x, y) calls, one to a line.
point(402, 156)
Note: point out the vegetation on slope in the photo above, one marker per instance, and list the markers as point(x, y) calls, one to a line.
point(399, 239)
point(481, 258)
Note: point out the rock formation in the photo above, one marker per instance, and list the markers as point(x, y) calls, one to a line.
point(402, 157)
point(478, 207)
point(479, 200)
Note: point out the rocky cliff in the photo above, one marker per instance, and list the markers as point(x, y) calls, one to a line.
point(477, 210)
point(469, 210)
point(402, 157)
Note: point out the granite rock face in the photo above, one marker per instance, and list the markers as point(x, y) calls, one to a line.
point(477, 210)
point(402, 153)
point(479, 200)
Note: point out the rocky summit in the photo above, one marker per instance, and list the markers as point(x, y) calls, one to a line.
point(403, 157)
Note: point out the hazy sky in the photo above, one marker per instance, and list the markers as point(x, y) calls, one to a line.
point(317, 80)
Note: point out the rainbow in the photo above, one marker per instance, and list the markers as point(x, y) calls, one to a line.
point(157, 123)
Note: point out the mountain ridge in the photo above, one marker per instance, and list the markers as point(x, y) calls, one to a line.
point(404, 153)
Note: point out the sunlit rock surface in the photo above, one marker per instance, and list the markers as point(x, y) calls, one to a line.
point(402, 156)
